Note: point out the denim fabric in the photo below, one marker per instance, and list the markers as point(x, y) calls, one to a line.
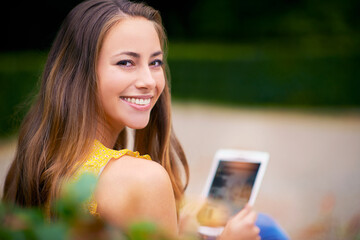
point(269, 229)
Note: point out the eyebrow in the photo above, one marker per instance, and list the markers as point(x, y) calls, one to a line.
point(137, 55)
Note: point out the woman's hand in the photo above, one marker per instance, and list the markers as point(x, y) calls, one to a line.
point(241, 226)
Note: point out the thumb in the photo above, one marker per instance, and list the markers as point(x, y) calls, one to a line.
point(243, 212)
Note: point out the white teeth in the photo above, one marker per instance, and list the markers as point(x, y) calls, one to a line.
point(138, 101)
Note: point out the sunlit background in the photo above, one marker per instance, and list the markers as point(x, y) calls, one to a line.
point(281, 76)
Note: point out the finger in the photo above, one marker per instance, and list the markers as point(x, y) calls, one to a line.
point(244, 212)
point(251, 217)
point(257, 230)
point(247, 205)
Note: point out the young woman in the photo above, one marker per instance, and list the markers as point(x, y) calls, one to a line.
point(106, 72)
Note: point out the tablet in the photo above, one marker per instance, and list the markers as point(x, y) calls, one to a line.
point(235, 178)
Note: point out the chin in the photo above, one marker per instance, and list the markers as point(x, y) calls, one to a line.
point(138, 125)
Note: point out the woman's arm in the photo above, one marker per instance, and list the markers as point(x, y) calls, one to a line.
point(132, 189)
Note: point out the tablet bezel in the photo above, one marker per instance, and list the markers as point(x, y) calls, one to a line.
point(234, 155)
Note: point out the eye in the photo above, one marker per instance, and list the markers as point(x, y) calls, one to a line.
point(157, 63)
point(125, 63)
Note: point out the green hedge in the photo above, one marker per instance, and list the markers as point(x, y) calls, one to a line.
point(310, 72)
point(313, 71)
point(322, 82)
point(19, 74)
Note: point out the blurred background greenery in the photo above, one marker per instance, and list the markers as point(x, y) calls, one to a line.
point(291, 53)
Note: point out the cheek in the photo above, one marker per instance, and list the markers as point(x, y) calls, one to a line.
point(108, 91)
point(103, 90)
point(112, 82)
point(161, 83)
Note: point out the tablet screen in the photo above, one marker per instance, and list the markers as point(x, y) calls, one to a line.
point(233, 183)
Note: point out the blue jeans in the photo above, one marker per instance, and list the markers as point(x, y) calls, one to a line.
point(269, 229)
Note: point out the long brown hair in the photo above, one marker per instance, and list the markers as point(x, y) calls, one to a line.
point(60, 128)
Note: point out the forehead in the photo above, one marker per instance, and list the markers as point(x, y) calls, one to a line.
point(132, 33)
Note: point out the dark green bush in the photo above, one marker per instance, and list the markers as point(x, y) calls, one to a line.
point(308, 72)
point(320, 82)
point(19, 74)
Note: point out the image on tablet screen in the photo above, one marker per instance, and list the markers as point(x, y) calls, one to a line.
point(233, 183)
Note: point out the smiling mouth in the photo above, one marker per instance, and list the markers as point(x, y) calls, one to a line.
point(137, 101)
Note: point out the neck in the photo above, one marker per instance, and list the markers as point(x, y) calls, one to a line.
point(108, 136)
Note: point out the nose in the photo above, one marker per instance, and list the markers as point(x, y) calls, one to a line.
point(145, 78)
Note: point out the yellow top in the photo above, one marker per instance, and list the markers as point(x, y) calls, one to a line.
point(97, 160)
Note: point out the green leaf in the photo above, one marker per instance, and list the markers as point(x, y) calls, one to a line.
point(82, 189)
point(76, 193)
point(54, 231)
point(144, 230)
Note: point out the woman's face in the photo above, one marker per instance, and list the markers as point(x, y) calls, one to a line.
point(130, 73)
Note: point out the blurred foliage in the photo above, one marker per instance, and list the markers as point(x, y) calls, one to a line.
point(314, 71)
point(72, 221)
point(226, 20)
point(19, 74)
point(234, 20)
point(309, 72)
point(231, 19)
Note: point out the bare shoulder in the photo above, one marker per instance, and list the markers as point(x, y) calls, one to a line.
point(134, 189)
